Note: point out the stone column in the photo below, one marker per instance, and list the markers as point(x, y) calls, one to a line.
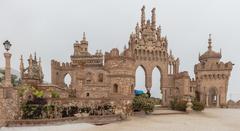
point(148, 82)
point(218, 100)
point(207, 100)
point(8, 80)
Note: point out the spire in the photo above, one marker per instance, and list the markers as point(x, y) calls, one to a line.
point(84, 36)
point(159, 30)
point(137, 30)
point(30, 61)
point(143, 19)
point(84, 40)
point(21, 67)
point(153, 18)
point(35, 56)
point(40, 69)
point(210, 42)
point(39, 62)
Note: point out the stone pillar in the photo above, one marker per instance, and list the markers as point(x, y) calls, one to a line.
point(8, 80)
point(207, 100)
point(218, 100)
point(189, 105)
point(148, 81)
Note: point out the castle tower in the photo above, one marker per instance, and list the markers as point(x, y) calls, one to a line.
point(212, 76)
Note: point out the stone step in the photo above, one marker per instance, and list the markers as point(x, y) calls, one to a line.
point(160, 107)
point(166, 112)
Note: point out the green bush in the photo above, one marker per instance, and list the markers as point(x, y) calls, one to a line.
point(178, 105)
point(198, 106)
point(143, 102)
point(55, 94)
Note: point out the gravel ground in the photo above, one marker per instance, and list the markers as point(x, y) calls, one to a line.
point(208, 120)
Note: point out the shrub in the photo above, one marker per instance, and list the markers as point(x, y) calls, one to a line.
point(178, 105)
point(143, 102)
point(198, 106)
point(55, 94)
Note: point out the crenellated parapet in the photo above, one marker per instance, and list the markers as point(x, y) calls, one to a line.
point(219, 66)
point(181, 75)
point(61, 66)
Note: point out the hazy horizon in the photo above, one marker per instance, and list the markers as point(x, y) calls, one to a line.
point(51, 27)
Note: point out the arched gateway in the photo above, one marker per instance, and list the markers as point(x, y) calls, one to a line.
point(150, 50)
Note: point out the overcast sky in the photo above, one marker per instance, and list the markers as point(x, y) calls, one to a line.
point(50, 28)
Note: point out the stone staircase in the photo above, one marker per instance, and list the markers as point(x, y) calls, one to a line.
point(162, 110)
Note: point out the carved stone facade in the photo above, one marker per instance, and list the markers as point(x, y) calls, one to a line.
point(112, 75)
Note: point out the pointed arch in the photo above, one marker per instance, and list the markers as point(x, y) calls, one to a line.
point(156, 83)
point(140, 78)
point(67, 80)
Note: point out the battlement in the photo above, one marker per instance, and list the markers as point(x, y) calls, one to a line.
point(62, 66)
point(181, 75)
point(115, 55)
point(219, 66)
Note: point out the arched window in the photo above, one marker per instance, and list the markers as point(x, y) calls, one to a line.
point(100, 77)
point(67, 80)
point(89, 77)
point(115, 88)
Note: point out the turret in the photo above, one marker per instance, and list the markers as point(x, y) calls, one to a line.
point(153, 19)
point(143, 19)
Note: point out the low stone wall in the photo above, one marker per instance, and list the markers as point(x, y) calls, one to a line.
point(97, 120)
point(233, 104)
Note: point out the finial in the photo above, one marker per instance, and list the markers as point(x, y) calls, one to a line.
point(35, 56)
point(84, 36)
point(210, 42)
point(143, 16)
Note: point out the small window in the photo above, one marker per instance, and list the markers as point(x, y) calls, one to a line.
point(191, 89)
point(100, 77)
point(115, 88)
point(87, 94)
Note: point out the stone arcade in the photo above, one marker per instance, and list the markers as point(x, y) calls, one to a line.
point(110, 77)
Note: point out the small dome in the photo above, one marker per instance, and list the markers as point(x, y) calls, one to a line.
point(210, 54)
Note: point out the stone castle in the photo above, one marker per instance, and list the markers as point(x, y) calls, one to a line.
point(99, 77)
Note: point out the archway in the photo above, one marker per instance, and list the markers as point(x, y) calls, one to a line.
point(67, 80)
point(156, 84)
point(140, 76)
point(212, 100)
